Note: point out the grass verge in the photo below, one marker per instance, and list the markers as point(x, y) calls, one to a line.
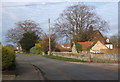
point(63, 58)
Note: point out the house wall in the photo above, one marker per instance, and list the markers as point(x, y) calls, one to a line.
point(110, 46)
point(74, 49)
point(98, 46)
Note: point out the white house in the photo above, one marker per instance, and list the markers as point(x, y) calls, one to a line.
point(109, 44)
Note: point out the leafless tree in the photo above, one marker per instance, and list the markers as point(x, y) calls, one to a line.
point(75, 21)
point(14, 35)
point(114, 40)
point(44, 42)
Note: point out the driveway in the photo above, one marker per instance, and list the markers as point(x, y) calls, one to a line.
point(61, 70)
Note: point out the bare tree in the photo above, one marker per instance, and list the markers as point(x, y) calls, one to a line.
point(114, 40)
point(75, 21)
point(15, 35)
point(44, 42)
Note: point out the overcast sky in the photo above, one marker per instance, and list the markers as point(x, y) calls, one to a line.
point(13, 12)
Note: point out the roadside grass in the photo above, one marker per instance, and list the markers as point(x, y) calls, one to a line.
point(63, 58)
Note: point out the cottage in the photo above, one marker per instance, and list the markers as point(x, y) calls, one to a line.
point(109, 44)
point(64, 47)
point(97, 35)
point(84, 46)
point(97, 47)
point(90, 46)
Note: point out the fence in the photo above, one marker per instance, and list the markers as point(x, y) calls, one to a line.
point(103, 58)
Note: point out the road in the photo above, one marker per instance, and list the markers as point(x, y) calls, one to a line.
point(61, 70)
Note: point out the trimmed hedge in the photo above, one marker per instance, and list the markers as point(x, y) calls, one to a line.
point(8, 58)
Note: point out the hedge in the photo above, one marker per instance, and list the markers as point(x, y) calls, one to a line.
point(78, 47)
point(8, 58)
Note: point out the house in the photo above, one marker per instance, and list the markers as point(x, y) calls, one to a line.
point(97, 47)
point(98, 42)
point(97, 35)
point(85, 45)
point(109, 44)
point(64, 47)
point(102, 42)
point(90, 46)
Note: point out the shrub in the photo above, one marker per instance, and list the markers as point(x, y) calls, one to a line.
point(8, 58)
point(36, 49)
point(78, 47)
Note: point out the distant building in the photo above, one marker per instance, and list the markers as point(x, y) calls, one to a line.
point(101, 43)
point(97, 35)
point(98, 47)
point(95, 47)
point(63, 47)
point(109, 44)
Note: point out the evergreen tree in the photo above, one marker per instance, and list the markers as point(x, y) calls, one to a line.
point(28, 41)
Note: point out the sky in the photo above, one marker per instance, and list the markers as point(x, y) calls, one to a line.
point(40, 11)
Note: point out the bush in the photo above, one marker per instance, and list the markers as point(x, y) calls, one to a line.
point(36, 50)
point(78, 47)
point(8, 58)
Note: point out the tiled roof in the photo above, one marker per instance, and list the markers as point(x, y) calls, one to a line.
point(63, 48)
point(85, 45)
point(66, 45)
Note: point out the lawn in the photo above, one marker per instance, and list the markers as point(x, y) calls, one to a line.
point(63, 58)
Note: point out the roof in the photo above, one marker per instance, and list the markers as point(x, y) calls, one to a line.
point(98, 36)
point(85, 45)
point(65, 47)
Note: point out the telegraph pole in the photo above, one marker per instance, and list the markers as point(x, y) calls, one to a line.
point(49, 38)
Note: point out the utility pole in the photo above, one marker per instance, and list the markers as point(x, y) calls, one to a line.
point(49, 38)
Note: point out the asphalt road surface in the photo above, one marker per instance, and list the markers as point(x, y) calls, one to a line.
point(61, 70)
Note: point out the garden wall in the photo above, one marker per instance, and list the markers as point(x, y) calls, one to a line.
point(89, 57)
point(110, 51)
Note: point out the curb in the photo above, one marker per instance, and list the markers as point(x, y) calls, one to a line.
point(40, 73)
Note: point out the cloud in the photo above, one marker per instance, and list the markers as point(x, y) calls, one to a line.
point(15, 12)
point(109, 12)
point(41, 11)
point(60, 0)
